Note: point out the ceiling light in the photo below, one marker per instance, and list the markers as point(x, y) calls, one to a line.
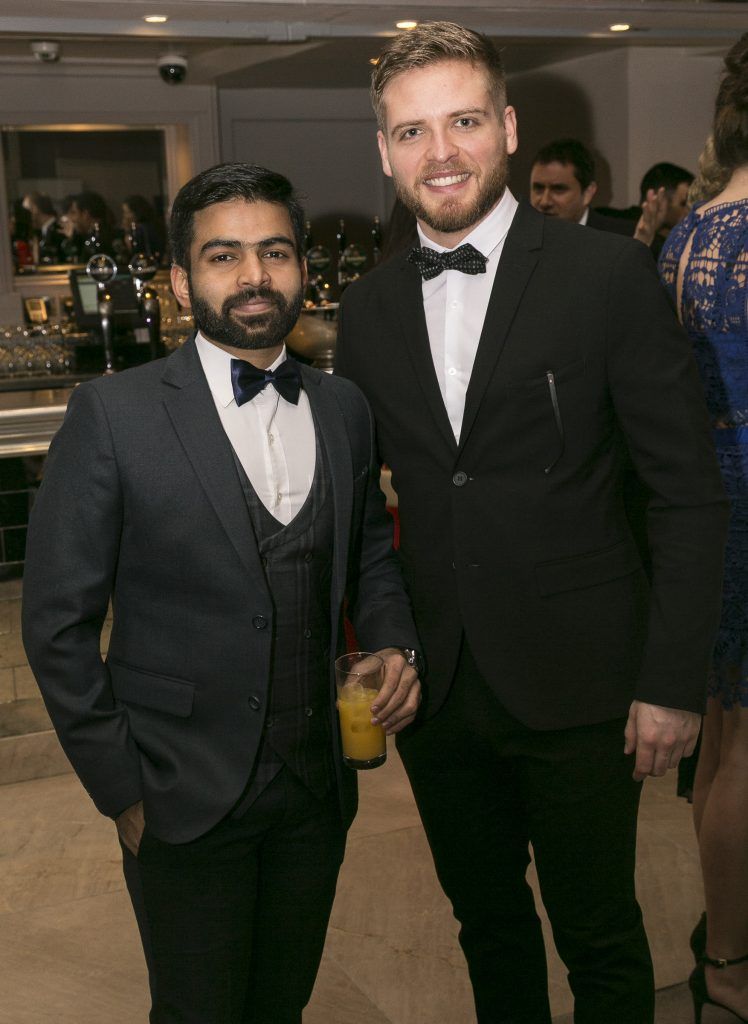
point(155, 19)
point(407, 25)
point(620, 28)
point(374, 60)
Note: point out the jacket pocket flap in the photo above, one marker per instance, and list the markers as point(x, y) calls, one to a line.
point(160, 693)
point(587, 570)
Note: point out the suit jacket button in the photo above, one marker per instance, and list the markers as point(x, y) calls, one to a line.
point(254, 702)
point(307, 634)
point(308, 712)
point(259, 622)
point(308, 556)
point(460, 478)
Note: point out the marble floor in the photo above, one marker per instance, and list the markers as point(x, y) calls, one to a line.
point(69, 951)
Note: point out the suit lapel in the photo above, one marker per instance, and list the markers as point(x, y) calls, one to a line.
point(408, 302)
point(190, 406)
point(518, 259)
point(333, 435)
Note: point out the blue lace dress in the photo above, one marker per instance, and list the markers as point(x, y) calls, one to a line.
point(714, 312)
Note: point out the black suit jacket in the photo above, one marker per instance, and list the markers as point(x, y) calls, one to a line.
point(518, 534)
point(618, 225)
point(141, 501)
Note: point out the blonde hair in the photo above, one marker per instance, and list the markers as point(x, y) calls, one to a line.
point(711, 177)
point(431, 43)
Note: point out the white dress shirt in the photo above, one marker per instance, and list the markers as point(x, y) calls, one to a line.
point(455, 305)
point(273, 439)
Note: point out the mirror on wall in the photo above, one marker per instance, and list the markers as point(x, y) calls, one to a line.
point(77, 190)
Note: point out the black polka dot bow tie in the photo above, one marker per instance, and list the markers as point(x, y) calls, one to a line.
point(248, 381)
point(465, 258)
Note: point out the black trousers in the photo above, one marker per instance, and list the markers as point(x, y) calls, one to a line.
point(486, 787)
point(233, 923)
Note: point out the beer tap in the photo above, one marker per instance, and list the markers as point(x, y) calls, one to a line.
point(103, 270)
point(143, 269)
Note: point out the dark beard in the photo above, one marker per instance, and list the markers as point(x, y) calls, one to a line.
point(453, 216)
point(262, 330)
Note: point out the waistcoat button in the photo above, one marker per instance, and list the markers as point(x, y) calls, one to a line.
point(254, 702)
point(259, 622)
point(460, 478)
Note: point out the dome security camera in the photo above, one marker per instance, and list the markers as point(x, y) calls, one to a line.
point(45, 51)
point(173, 68)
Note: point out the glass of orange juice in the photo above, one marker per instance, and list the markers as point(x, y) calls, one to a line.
point(359, 677)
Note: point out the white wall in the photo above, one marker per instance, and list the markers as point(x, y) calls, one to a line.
point(633, 107)
point(324, 141)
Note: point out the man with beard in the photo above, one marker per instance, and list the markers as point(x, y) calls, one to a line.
point(226, 499)
point(513, 361)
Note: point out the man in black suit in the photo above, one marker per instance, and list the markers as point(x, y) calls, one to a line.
point(562, 184)
point(46, 228)
point(513, 362)
point(226, 499)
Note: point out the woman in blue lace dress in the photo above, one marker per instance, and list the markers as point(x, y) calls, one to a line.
point(704, 265)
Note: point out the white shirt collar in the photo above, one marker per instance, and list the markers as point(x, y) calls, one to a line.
point(585, 216)
point(489, 232)
point(217, 368)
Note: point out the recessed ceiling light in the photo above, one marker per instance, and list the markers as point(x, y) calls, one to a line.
point(407, 25)
point(155, 19)
point(620, 28)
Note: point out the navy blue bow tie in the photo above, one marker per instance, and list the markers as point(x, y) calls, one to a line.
point(465, 258)
point(247, 380)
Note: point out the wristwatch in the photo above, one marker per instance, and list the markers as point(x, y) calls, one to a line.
point(414, 659)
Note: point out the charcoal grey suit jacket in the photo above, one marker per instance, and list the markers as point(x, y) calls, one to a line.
point(141, 503)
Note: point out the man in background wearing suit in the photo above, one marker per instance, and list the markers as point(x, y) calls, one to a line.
point(562, 184)
point(226, 499)
point(513, 361)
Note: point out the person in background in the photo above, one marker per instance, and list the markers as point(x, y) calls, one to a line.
point(673, 182)
point(47, 231)
point(141, 229)
point(704, 266)
point(91, 223)
point(512, 361)
point(562, 184)
point(227, 500)
point(19, 224)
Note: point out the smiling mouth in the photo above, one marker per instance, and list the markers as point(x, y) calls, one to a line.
point(443, 180)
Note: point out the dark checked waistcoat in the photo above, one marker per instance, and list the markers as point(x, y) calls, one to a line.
point(297, 559)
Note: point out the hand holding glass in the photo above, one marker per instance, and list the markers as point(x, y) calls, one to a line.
point(358, 678)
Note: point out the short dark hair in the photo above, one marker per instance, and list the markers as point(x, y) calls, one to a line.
point(569, 151)
point(431, 43)
point(664, 175)
point(141, 209)
point(93, 203)
point(221, 184)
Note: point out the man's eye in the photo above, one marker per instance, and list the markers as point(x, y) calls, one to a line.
point(275, 254)
point(410, 133)
point(222, 257)
point(465, 122)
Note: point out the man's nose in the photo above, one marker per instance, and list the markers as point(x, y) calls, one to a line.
point(252, 271)
point(442, 147)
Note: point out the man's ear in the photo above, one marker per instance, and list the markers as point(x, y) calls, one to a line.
point(589, 193)
point(381, 142)
point(180, 285)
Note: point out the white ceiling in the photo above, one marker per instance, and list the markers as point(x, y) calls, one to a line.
point(233, 44)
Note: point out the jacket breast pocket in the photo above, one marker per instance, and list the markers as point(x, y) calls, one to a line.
point(587, 570)
point(149, 690)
